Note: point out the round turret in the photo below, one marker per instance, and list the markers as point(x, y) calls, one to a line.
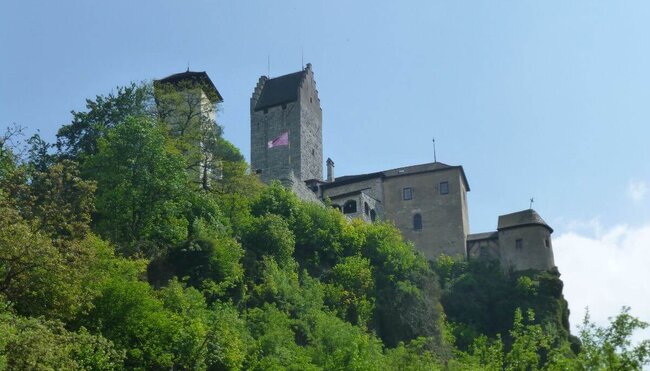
point(525, 241)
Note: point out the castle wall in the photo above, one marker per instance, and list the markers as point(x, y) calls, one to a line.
point(485, 249)
point(311, 130)
point(267, 125)
point(443, 220)
point(534, 252)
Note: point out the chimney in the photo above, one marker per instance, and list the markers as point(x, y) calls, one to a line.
point(330, 170)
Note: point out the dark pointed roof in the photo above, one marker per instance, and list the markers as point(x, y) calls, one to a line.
point(520, 219)
point(200, 78)
point(280, 90)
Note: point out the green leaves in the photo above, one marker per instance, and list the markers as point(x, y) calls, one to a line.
point(141, 194)
point(611, 347)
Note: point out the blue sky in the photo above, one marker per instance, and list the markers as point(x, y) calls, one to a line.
point(549, 100)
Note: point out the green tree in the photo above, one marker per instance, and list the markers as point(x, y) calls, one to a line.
point(611, 347)
point(79, 139)
point(270, 236)
point(39, 344)
point(351, 291)
point(141, 188)
point(189, 118)
point(38, 277)
point(61, 201)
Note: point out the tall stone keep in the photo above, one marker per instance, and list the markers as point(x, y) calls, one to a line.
point(287, 104)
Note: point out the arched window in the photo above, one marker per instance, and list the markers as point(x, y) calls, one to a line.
point(350, 207)
point(417, 222)
point(337, 207)
point(366, 208)
point(373, 215)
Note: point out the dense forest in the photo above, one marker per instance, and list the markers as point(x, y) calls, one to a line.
point(138, 241)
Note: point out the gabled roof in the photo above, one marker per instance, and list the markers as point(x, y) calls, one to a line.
point(483, 236)
point(280, 90)
point(400, 171)
point(200, 78)
point(347, 179)
point(521, 219)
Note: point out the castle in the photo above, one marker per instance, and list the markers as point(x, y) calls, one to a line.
point(426, 202)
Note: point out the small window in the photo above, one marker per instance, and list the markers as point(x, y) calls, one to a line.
point(373, 215)
point(310, 101)
point(444, 188)
point(417, 222)
point(266, 110)
point(350, 207)
point(546, 243)
point(366, 208)
point(337, 207)
point(407, 193)
point(313, 152)
point(519, 244)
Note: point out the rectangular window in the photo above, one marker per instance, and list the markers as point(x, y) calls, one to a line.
point(444, 188)
point(519, 243)
point(546, 243)
point(407, 193)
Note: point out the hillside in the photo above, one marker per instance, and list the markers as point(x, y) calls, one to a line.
point(117, 251)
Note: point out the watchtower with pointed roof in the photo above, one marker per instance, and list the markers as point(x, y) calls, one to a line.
point(287, 104)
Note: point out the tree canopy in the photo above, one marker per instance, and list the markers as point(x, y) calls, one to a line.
point(113, 256)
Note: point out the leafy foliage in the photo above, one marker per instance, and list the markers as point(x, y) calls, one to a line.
point(117, 251)
point(141, 188)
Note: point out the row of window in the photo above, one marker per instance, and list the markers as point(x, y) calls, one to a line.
point(407, 192)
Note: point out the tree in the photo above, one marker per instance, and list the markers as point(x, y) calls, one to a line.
point(79, 139)
point(189, 117)
point(611, 347)
point(38, 277)
point(141, 188)
point(28, 343)
point(61, 201)
point(351, 290)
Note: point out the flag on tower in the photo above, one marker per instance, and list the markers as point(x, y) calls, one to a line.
point(282, 140)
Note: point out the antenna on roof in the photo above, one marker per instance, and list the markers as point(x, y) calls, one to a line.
point(188, 66)
point(268, 66)
point(532, 199)
point(434, 150)
point(302, 58)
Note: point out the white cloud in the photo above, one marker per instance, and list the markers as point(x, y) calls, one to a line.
point(605, 270)
point(636, 190)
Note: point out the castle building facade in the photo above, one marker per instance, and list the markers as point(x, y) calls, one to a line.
point(426, 202)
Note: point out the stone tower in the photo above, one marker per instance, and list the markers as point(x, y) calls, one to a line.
point(187, 103)
point(287, 104)
point(525, 241)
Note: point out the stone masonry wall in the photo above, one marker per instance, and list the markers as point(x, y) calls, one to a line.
point(443, 226)
point(311, 129)
point(536, 251)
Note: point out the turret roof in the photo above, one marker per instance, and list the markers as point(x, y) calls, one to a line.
point(520, 219)
point(200, 78)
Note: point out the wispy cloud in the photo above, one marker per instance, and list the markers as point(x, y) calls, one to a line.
point(604, 270)
point(636, 190)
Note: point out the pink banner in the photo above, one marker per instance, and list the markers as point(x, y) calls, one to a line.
point(282, 140)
